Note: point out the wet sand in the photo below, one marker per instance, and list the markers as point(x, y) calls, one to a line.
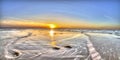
point(31, 44)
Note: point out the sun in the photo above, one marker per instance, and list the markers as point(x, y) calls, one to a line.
point(52, 25)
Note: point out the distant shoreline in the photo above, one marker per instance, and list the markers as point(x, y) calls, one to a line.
point(55, 28)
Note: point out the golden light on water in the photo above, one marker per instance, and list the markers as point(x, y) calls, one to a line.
point(51, 33)
point(53, 43)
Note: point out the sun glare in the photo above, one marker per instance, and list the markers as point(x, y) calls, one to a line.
point(51, 32)
point(52, 25)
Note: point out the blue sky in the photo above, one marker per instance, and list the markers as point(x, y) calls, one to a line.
point(95, 11)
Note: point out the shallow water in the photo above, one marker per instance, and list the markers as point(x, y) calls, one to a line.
point(35, 44)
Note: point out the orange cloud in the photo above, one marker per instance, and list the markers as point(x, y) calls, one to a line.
point(55, 22)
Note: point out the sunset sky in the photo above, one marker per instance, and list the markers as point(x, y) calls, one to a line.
point(65, 14)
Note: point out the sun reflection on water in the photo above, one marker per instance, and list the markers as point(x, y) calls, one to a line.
point(52, 33)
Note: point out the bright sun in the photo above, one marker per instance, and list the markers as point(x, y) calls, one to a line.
point(52, 25)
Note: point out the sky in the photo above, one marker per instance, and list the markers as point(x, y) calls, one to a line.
point(76, 14)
